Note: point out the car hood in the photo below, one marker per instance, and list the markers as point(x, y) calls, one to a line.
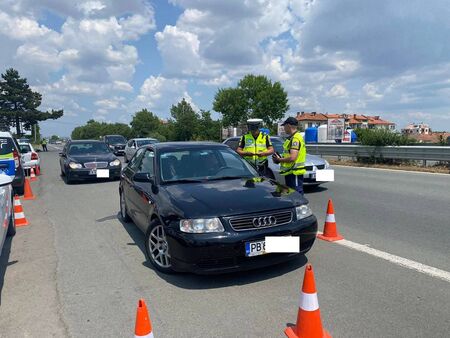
point(228, 197)
point(108, 157)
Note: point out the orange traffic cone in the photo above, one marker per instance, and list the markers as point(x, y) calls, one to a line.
point(28, 195)
point(309, 324)
point(19, 215)
point(330, 232)
point(38, 170)
point(32, 175)
point(143, 324)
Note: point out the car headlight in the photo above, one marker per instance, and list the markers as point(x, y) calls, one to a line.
point(201, 225)
point(303, 211)
point(74, 165)
point(115, 163)
point(327, 165)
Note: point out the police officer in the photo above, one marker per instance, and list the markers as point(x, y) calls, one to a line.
point(255, 146)
point(292, 162)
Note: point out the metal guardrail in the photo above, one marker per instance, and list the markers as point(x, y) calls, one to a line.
point(417, 153)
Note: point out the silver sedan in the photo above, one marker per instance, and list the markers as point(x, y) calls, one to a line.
point(313, 163)
point(133, 144)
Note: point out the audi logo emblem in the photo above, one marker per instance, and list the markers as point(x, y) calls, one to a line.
point(259, 222)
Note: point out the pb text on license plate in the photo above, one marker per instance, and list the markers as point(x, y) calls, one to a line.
point(255, 248)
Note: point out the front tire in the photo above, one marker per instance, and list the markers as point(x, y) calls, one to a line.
point(123, 208)
point(157, 247)
point(12, 224)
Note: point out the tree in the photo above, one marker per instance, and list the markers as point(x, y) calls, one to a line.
point(254, 97)
point(54, 138)
point(208, 129)
point(147, 124)
point(185, 121)
point(94, 130)
point(18, 103)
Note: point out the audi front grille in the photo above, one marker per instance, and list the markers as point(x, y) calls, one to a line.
point(259, 221)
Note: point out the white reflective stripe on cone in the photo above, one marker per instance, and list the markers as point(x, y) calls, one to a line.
point(308, 301)
point(19, 215)
point(150, 335)
point(330, 218)
point(17, 202)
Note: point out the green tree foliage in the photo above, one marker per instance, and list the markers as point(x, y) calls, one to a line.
point(147, 124)
point(18, 103)
point(382, 137)
point(94, 130)
point(185, 121)
point(208, 129)
point(54, 138)
point(254, 97)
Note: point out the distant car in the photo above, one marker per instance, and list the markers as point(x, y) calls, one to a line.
point(116, 143)
point(11, 162)
point(133, 144)
point(313, 163)
point(88, 159)
point(204, 209)
point(58, 142)
point(30, 157)
point(8, 227)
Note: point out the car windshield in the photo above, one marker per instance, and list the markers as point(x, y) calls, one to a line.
point(144, 142)
point(277, 145)
point(6, 146)
point(203, 164)
point(116, 139)
point(88, 148)
point(24, 148)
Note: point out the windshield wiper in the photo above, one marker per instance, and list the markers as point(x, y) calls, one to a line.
point(228, 178)
point(184, 180)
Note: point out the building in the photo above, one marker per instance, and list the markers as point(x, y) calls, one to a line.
point(352, 121)
point(417, 129)
point(432, 137)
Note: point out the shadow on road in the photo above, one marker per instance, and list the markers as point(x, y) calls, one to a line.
point(199, 282)
point(314, 190)
point(4, 262)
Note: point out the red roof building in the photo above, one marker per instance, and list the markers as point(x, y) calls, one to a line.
point(353, 121)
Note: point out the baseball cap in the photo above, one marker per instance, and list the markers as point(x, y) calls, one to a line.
point(290, 120)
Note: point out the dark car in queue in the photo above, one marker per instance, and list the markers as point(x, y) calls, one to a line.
point(87, 160)
point(116, 143)
point(203, 209)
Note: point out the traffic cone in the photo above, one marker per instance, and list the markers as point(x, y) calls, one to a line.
point(38, 170)
point(19, 216)
point(330, 232)
point(143, 324)
point(28, 195)
point(32, 175)
point(309, 324)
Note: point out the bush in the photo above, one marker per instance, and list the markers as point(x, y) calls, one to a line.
point(382, 137)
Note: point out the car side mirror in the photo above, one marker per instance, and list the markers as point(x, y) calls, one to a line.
point(144, 177)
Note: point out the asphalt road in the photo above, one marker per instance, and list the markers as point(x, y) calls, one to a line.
point(78, 271)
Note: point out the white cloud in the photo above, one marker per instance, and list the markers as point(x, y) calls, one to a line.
point(338, 91)
point(372, 91)
point(91, 7)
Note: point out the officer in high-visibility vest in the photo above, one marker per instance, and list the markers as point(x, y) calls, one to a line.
point(292, 162)
point(255, 146)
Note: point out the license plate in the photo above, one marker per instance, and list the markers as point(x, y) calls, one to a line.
point(102, 173)
point(255, 248)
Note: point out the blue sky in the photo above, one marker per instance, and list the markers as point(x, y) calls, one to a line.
point(106, 59)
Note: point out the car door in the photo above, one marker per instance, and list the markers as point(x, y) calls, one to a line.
point(128, 191)
point(3, 215)
point(143, 190)
point(63, 158)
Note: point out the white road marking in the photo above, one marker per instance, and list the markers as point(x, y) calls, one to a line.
point(391, 170)
point(407, 263)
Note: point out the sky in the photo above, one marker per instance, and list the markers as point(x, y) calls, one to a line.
point(107, 59)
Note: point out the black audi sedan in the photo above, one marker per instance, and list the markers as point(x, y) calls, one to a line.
point(205, 210)
point(87, 159)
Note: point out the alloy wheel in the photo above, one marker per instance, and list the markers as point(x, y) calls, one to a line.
point(158, 247)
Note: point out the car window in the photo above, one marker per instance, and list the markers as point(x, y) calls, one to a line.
point(144, 142)
point(147, 163)
point(203, 164)
point(84, 148)
point(116, 139)
point(136, 159)
point(233, 144)
point(6, 145)
point(24, 148)
point(130, 143)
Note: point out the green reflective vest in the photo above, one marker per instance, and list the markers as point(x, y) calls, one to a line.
point(255, 146)
point(298, 166)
